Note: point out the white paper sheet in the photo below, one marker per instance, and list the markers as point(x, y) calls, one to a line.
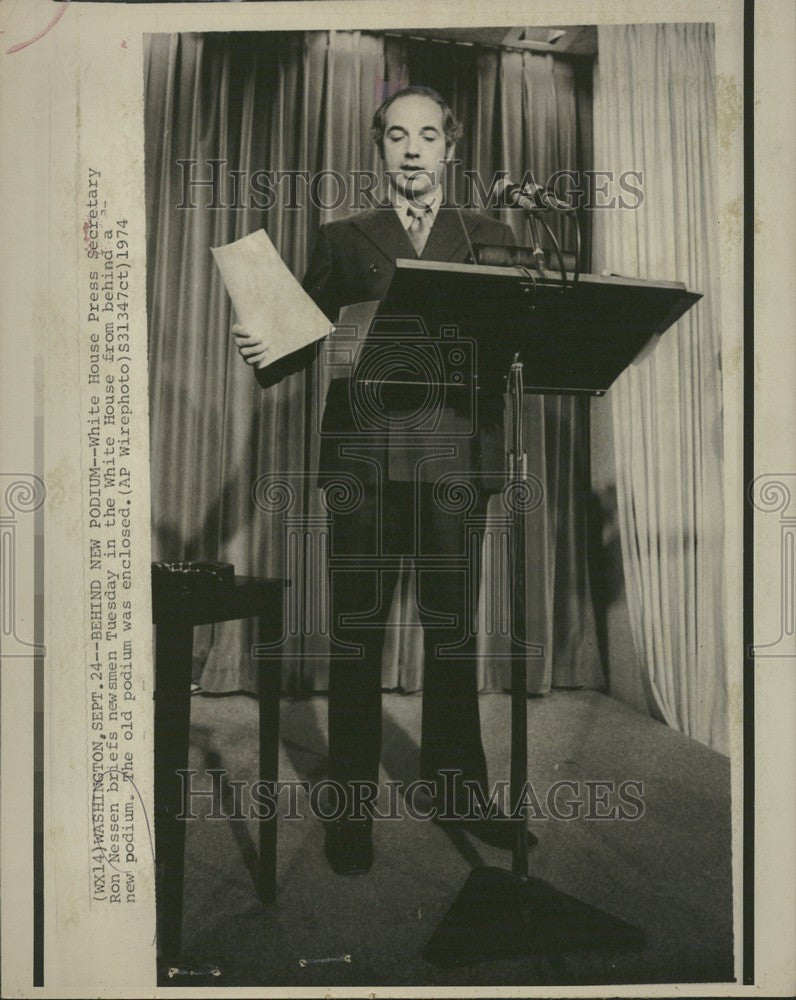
point(359, 315)
point(268, 300)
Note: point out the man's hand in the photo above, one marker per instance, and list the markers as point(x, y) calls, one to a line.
point(253, 350)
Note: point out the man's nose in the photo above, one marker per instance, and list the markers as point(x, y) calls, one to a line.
point(412, 149)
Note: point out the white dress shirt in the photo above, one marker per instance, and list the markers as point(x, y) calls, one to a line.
point(402, 204)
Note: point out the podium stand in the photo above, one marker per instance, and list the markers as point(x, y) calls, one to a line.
point(550, 337)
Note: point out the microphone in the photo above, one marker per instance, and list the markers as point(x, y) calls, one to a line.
point(530, 196)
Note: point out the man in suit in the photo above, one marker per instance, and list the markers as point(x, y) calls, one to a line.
point(403, 510)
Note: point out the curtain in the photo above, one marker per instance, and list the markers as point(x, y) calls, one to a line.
point(305, 101)
point(655, 112)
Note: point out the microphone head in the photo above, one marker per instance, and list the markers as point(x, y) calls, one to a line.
point(506, 192)
point(529, 196)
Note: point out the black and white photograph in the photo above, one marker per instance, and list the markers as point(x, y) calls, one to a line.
point(437, 454)
point(396, 499)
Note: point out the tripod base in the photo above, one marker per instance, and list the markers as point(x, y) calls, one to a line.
point(499, 915)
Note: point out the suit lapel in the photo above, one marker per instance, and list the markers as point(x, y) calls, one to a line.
point(447, 241)
point(383, 228)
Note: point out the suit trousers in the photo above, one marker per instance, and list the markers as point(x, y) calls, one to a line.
point(443, 536)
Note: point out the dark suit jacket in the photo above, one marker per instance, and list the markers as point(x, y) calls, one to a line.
point(353, 261)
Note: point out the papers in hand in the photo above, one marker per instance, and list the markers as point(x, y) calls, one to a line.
point(358, 317)
point(268, 301)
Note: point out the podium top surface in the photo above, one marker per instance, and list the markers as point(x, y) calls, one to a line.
point(443, 267)
point(573, 339)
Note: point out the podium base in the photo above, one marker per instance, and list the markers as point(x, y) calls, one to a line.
point(499, 915)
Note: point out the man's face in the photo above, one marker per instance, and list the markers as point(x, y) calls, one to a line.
point(414, 145)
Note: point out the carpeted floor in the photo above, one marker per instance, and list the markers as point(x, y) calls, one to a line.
point(667, 872)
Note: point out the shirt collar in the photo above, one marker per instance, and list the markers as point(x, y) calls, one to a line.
point(401, 204)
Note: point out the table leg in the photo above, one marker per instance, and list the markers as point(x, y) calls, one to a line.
point(173, 660)
point(269, 686)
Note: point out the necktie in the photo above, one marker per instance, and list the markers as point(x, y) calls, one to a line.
point(419, 227)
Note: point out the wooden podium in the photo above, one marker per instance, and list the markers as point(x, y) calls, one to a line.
point(571, 339)
point(540, 333)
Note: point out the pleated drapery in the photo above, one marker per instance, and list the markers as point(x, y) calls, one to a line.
point(655, 112)
point(304, 101)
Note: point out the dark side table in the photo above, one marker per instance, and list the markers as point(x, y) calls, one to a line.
point(175, 615)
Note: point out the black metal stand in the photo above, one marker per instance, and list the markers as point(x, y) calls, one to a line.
point(502, 914)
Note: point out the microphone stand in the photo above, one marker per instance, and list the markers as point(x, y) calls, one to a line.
point(518, 777)
point(506, 914)
point(536, 246)
point(538, 252)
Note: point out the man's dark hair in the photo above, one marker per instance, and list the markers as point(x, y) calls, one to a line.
point(452, 128)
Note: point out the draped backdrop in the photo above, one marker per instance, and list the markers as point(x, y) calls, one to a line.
point(304, 101)
point(655, 112)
